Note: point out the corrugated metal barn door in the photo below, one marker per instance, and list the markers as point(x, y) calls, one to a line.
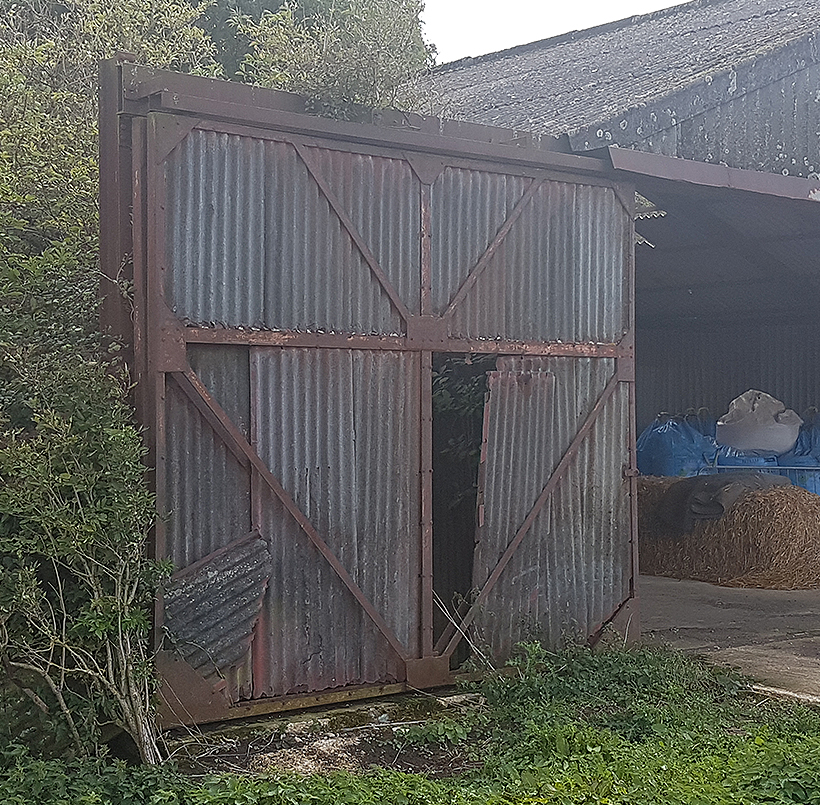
point(293, 278)
point(312, 453)
point(553, 555)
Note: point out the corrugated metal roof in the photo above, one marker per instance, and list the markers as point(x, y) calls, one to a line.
point(570, 81)
point(573, 569)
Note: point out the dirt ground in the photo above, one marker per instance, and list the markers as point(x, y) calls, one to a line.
point(351, 737)
point(771, 635)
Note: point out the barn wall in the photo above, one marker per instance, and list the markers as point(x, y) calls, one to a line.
point(295, 276)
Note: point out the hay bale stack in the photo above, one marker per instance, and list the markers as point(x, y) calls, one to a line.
point(769, 538)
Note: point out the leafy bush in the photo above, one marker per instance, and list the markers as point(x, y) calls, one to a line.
point(340, 53)
point(76, 587)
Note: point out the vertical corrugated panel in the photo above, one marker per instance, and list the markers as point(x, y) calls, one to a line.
point(381, 196)
point(559, 275)
point(339, 428)
point(467, 209)
point(252, 241)
point(684, 368)
point(224, 370)
point(215, 227)
point(573, 568)
point(207, 490)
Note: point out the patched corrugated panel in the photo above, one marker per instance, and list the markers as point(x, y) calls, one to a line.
point(381, 196)
point(558, 275)
point(468, 208)
point(339, 428)
point(252, 241)
point(210, 612)
point(692, 367)
point(207, 490)
point(572, 569)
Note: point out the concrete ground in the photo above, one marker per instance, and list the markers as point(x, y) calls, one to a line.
point(770, 635)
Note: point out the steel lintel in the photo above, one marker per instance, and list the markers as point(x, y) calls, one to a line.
point(426, 336)
point(147, 89)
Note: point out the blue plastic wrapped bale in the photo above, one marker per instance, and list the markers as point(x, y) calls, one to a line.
point(702, 421)
point(805, 458)
point(672, 447)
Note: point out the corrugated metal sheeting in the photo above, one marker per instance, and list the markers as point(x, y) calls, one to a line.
point(339, 428)
point(693, 367)
point(572, 571)
point(207, 490)
point(216, 637)
point(312, 268)
point(558, 276)
point(466, 206)
point(239, 255)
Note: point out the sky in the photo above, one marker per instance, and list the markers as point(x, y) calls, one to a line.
point(460, 28)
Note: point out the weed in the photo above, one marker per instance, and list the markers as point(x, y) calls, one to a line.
point(617, 727)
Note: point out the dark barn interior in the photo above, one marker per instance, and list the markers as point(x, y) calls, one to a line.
point(727, 290)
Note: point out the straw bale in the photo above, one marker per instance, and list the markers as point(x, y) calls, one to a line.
point(770, 539)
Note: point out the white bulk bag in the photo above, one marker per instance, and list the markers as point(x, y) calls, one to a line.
point(757, 422)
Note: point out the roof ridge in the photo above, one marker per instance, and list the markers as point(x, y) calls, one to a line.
point(574, 36)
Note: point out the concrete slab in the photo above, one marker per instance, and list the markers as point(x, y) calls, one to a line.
point(770, 635)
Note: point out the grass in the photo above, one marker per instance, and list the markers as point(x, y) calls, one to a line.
point(619, 726)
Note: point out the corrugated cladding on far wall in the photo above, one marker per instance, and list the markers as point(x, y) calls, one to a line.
point(697, 366)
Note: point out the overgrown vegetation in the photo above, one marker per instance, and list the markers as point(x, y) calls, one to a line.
point(617, 726)
point(75, 584)
point(340, 53)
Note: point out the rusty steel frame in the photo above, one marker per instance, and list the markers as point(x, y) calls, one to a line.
point(132, 196)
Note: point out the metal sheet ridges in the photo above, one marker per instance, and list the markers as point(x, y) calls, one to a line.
point(339, 428)
point(558, 276)
point(207, 491)
point(252, 241)
point(468, 207)
point(572, 571)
